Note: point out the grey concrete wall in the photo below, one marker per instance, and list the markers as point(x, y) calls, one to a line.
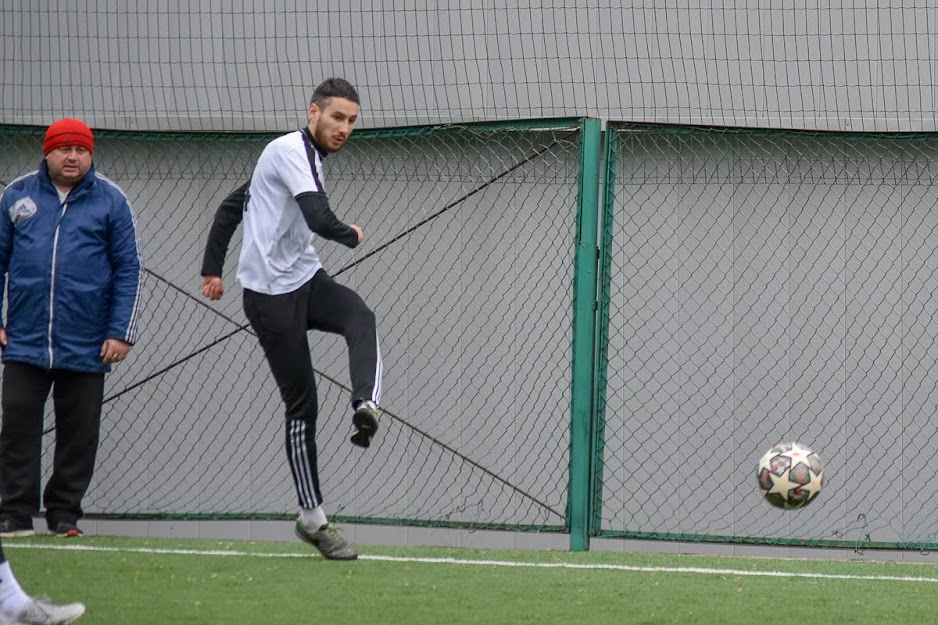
point(770, 267)
point(252, 64)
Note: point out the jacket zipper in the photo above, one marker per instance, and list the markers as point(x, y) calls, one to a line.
point(55, 251)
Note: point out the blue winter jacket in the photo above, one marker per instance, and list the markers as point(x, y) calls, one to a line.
point(73, 268)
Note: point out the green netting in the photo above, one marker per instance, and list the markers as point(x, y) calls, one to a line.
point(468, 264)
point(763, 287)
point(756, 286)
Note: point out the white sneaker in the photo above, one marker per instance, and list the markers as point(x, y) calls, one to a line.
point(41, 611)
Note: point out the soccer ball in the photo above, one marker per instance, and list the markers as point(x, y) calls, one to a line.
point(790, 476)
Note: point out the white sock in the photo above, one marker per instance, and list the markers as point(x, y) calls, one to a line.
point(313, 518)
point(12, 598)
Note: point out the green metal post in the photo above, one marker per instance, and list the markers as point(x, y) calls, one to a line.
point(584, 336)
point(610, 163)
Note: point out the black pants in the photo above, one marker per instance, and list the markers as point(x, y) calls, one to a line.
point(281, 323)
point(77, 399)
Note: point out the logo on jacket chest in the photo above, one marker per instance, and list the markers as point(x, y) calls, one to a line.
point(22, 210)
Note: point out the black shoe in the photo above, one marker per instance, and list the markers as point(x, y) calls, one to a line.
point(66, 529)
point(365, 421)
point(16, 528)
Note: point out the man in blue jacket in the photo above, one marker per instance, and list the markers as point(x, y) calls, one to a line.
point(69, 252)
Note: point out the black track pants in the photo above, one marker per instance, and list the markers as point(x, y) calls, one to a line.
point(281, 323)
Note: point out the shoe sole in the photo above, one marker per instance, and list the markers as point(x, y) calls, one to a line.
point(75, 618)
point(72, 619)
point(366, 426)
point(18, 534)
point(70, 534)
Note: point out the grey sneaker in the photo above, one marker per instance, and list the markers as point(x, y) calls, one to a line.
point(365, 421)
point(328, 540)
point(41, 611)
point(10, 528)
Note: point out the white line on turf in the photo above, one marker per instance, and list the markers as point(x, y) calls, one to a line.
point(492, 563)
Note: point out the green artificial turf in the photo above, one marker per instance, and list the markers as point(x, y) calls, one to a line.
point(153, 581)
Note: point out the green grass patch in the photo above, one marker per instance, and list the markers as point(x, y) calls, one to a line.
point(137, 581)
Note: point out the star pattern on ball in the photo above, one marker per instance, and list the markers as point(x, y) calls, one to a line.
point(790, 475)
point(782, 485)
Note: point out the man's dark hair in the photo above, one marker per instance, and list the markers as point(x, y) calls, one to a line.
point(333, 88)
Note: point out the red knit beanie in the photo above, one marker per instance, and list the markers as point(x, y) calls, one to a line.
point(68, 132)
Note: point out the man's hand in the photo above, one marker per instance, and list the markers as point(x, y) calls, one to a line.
point(213, 288)
point(4, 339)
point(360, 231)
point(114, 350)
